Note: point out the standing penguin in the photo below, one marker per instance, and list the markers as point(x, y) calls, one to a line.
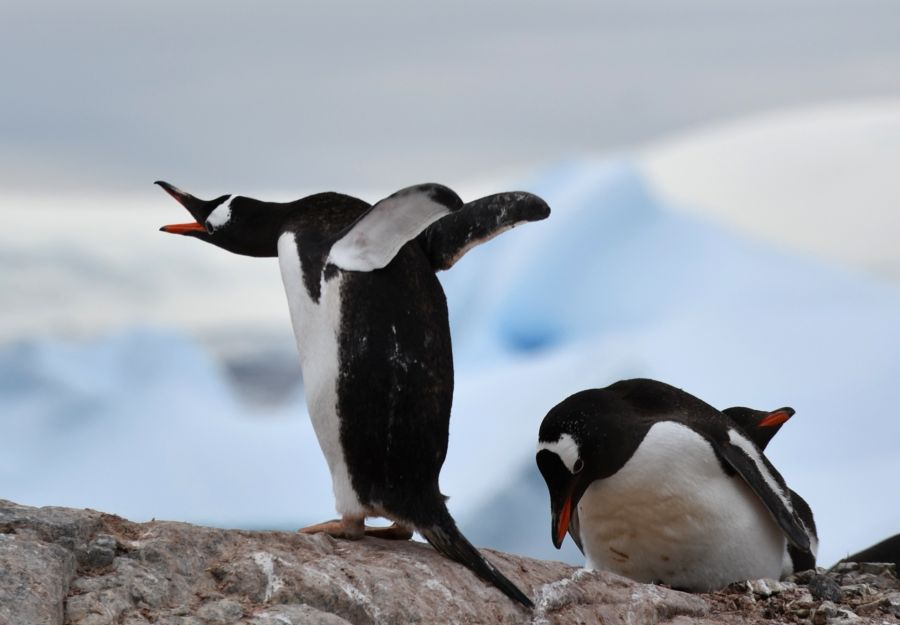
point(370, 319)
point(654, 484)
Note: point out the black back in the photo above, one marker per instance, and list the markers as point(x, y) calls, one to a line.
point(396, 387)
point(888, 550)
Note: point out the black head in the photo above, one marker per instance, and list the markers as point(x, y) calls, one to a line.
point(587, 437)
point(759, 425)
point(235, 223)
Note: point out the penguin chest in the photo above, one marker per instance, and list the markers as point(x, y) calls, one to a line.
point(672, 515)
point(316, 324)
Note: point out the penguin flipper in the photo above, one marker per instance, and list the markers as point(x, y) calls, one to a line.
point(376, 237)
point(762, 478)
point(448, 239)
point(804, 560)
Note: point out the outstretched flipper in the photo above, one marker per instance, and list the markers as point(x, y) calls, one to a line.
point(447, 240)
point(376, 237)
point(762, 478)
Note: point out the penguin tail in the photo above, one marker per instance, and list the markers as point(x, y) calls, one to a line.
point(446, 538)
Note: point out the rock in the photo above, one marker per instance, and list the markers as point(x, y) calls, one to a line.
point(828, 613)
point(83, 567)
point(34, 580)
point(891, 603)
point(877, 568)
point(824, 588)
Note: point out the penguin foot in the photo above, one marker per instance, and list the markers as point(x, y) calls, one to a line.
point(350, 529)
point(397, 531)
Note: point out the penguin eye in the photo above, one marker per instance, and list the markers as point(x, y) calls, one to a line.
point(578, 466)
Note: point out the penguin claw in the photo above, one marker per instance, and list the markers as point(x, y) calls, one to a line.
point(350, 529)
point(394, 532)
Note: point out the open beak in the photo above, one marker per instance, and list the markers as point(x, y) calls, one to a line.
point(776, 417)
point(190, 203)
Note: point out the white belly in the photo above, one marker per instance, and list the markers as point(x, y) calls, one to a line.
point(671, 515)
point(316, 326)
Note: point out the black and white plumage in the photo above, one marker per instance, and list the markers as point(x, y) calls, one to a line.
point(370, 319)
point(761, 426)
point(654, 484)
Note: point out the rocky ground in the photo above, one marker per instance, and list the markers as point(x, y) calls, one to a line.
point(82, 567)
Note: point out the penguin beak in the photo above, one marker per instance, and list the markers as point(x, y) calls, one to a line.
point(776, 417)
point(565, 490)
point(180, 196)
point(199, 210)
point(183, 228)
point(561, 515)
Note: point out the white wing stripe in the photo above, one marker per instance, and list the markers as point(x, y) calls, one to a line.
point(738, 440)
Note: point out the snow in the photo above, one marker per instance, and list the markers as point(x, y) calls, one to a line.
point(136, 418)
point(142, 423)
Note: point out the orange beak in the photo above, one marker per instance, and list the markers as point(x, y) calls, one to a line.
point(775, 418)
point(184, 228)
point(562, 525)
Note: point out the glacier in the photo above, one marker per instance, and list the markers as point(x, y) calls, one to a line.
point(141, 420)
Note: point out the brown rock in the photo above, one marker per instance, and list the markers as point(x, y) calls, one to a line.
point(82, 567)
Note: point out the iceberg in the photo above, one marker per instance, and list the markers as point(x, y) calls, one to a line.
point(142, 421)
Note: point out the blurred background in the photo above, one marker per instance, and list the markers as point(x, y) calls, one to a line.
point(723, 177)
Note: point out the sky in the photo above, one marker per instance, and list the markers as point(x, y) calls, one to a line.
point(285, 95)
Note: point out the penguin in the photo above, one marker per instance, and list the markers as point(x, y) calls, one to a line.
point(370, 320)
point(654, 484)
point(888, 550)
point(761, 426)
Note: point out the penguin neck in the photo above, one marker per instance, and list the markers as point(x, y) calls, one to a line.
point(253, 232)
point(316, 223)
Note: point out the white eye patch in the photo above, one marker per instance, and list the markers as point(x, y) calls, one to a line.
point(567, 450)
point(220, 216)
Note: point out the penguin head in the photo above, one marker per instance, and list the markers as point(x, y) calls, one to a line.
point(759, 425)
point(581, 440)
point(235, 223)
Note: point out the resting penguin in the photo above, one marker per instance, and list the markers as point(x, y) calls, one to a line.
point(761, 426)
point(654, 484)
point(370, 319)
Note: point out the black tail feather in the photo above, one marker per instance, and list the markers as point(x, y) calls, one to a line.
point(447, 539)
